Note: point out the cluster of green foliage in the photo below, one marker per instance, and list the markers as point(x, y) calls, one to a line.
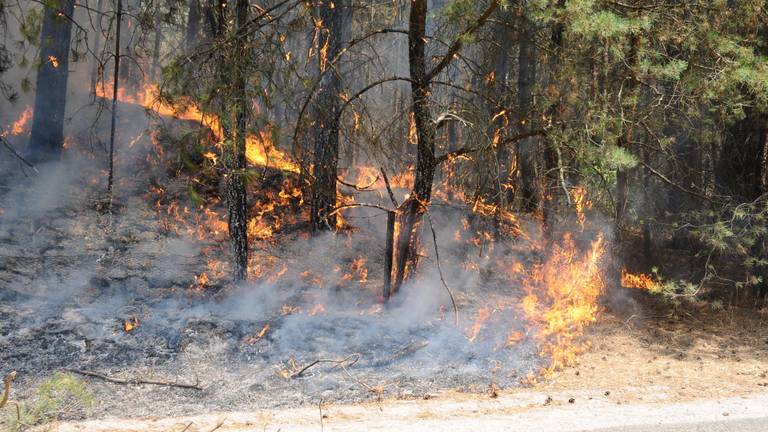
point(61, 394)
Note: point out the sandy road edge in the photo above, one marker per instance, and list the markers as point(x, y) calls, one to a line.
point(531, 412)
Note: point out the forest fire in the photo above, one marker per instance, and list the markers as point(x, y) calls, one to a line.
point(639, 281)
point(562, 298)
point(20, 125)
point(332, 202)
point(259, 148)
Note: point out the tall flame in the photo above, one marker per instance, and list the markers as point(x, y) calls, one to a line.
point(259, 148)
point(562, 299)
point(20, 125)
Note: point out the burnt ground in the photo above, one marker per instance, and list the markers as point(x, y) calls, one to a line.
point(72, 274)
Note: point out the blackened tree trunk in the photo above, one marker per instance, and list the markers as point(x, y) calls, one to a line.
point(411, 212)
point(47, 139)
point(191, 38)
point(527, 148)
point(236, 175)
point(326, 154)
point(98, 36)
point(158, 38)
point(625, 138)
point(552, 159)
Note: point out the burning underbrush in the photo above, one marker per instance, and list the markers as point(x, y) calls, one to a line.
point(145, 290)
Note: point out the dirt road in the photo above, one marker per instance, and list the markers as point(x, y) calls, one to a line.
point(529, 412)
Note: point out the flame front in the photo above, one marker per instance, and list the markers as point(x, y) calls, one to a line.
point(259, 149)
point(562, 299)
point(20, 125)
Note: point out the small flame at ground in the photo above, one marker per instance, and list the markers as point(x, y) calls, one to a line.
point(639, 281)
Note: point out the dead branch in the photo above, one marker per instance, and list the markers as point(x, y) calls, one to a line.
point(357, 187)
point(440, 270)
point(318, 361)
point(218, 425)
point(467, 150)
point(408, 349)
point(18, 156)
point(135, 381)
point(389, 188)
point(459, 42)
point(7, 381)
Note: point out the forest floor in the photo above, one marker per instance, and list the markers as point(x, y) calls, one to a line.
point(120, 293)
point(708, 366)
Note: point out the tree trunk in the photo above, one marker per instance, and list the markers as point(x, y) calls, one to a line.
point(191, 38)
point(527, 148)
point(47, 139)
point(622, 185)
point(410, 212)
point(115, 83)
point(235, 179)
point(98, 36)
point(158, 39)
point(326, 154)
point(552, 160)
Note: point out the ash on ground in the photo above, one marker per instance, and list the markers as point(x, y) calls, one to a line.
point(119, 293)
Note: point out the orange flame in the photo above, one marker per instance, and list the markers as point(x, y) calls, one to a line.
point(18, 127)
point(639, 281)
point(562, 299)
point(259, 148)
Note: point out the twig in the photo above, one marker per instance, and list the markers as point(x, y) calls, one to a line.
point(136, 381)
point(187, 427)
point(440, 270)
point(318, 361)
point(320, 407)
point(389, 188)
point(218, 425)
point(15, 153)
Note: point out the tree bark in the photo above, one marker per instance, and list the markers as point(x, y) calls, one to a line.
point(326, 154)
point(98, 36)
point(47, 138)
point(115, 82)
point(156, 45)
point(235, 179)
point(552, 161)
point(410, 212)
point(622, 185)
point(527, 148)
point(191, 37)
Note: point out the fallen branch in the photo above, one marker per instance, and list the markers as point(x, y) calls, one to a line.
point(440, 270)
point(20, 157)
point(318, 361)
point(218, 425)
point(135, 381)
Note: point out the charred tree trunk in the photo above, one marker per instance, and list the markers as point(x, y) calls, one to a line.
point(236, 175)
point(156, 45)
point(115, 82)
point(552, 159)
point(527, 148)
point(191, 37)
point(326, 154)
point(98, 36)
point(410, 212)
point(47, 139)
point(622, 185)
